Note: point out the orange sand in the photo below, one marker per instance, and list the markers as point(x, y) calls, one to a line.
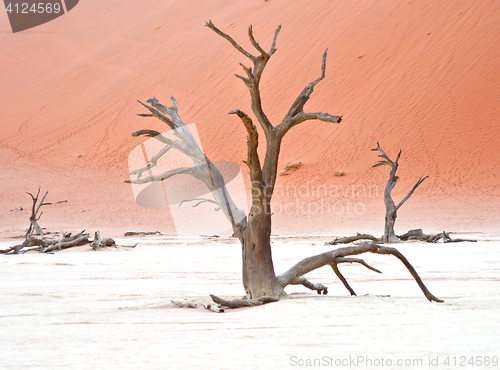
point(421, 76)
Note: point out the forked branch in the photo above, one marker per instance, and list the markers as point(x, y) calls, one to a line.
point(333, 258)
point(421, 180)
point(296, 115)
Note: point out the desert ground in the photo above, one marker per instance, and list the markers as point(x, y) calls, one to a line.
point(82, 309)
point(417, 76)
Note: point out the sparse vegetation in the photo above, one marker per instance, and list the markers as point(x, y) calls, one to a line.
point(292, 166)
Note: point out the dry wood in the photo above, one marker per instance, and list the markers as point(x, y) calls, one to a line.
point(99, 242)
point(350, 239)
point(330, 258)
point(415, 234)
point(70, 242)
point(391, 208)
point(214, 307)
point(319, 288)
point(238, 303)
point(34, 226)
point(185, 305)
point(141, 233)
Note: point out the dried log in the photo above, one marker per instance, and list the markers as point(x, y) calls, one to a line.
point(418, 234)
point(185, 305)
point(99, 242)
point(28, 242)
point(238, 303)
point(141, 233)
point(64, 244)
point(447, 239)
point(8, 250)
point(350, 239)
point(214, 307)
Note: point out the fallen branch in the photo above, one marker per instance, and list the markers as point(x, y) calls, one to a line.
point(238, 303)
point(141, 233)
point(185, 305)
point(350, 239)
point(415, 234)
point(99, 242)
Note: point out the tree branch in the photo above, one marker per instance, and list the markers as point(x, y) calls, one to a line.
point(296, 115)
point(152, 162)
point(325, 117)
point(238, 303)
point(319, 288)
point(255, 43)
point(203, 170)
point(254, 75)
point(336, 256)
point(342, 278)
point(350, 239)
point(356, 260)
point(253, 161)
point(210, 25)
point(160, 116)
point(421, 180)
point(201, 200)
point(166, 175)
point(397, 254)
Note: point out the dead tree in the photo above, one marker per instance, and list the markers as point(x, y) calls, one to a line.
point(34, 227)
point(391, 209)
point(260, 281)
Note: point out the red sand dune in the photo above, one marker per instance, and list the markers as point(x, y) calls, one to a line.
point(421, 76)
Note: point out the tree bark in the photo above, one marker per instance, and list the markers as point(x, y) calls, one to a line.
point(259, 278)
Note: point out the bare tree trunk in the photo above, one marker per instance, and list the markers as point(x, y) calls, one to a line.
point(259, 278)
point(390, 219)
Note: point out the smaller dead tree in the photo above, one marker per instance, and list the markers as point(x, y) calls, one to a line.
point(35, 240)
point(34, 226)
point(391, 209)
